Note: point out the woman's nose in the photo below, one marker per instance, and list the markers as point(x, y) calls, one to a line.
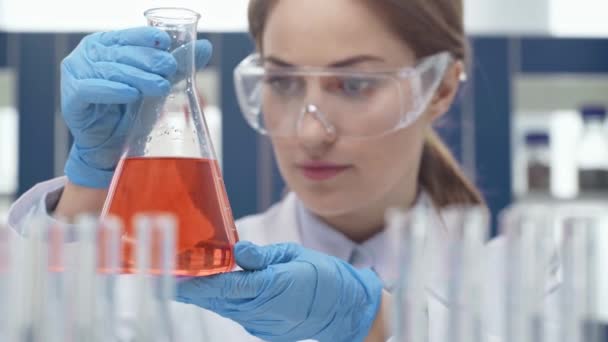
point(314, 129)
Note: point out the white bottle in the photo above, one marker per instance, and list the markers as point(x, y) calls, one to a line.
point(592, 152)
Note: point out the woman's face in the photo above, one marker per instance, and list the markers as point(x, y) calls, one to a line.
point(333, 175)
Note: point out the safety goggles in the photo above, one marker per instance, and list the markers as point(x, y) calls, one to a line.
point(280, 101)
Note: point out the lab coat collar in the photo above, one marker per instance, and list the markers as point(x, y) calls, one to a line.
point(318, 235)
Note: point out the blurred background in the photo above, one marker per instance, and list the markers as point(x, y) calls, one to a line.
point(528, 126)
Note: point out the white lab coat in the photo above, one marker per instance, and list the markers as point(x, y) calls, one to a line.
point(279, 224)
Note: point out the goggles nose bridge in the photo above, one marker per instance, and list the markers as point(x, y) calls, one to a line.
point(318, 115)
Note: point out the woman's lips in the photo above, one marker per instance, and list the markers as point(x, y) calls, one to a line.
point(319, 171)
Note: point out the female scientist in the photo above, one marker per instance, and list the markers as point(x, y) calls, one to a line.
point(353, 88)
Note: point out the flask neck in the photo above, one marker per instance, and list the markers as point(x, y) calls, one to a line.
point(183, 44)
point(183, 85)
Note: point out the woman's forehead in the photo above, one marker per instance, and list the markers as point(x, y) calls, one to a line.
point(300, 33)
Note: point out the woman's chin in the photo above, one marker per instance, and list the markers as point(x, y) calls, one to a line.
point(329, 205)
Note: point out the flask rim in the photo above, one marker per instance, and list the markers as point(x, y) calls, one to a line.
point(172, 14)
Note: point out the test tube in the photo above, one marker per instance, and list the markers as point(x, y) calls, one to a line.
point(4, 281)
point(541, 223)
point(166, 231)
point(84, 291)
point(546, 266)
point(600, 306)
point(516, 315)
point(18, 276)
point(35, 280)
point(591, 325)
point(143, 226)
point(409, 231)
point(145, 297)
point(528, 231)
point(395, 224)
point(578, 294)
point(464, 258)
point(55, 319)
point(109, 244)
point(573, 284)
point(155, 251)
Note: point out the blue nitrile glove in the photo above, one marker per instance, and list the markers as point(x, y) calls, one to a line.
point(289, 293)
point(102, 84)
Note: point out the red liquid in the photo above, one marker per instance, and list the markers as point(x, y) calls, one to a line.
point(193, 191)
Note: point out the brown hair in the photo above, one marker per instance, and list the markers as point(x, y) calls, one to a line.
point(428, 27)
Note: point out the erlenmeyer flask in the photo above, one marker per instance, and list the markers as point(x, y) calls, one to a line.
point(169, 166)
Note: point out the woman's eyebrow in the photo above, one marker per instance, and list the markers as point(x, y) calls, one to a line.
point(338, 64)
point(277, 61)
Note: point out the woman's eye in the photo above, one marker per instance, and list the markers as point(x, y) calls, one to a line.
point(285, 85)
point(356, 87)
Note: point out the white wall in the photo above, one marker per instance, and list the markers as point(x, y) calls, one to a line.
point(579, 18)
point(483, 17)
point(8, 158)
point(565, 18)
point(491, 17)
point(89, 15)
point(8, 150)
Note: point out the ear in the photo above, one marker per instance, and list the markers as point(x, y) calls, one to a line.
point(445, 94)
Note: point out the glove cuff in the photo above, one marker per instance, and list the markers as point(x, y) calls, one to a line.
point(82, 174)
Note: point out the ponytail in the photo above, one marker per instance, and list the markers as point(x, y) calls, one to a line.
point(442, 178)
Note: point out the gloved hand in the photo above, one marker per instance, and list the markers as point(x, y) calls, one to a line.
point(289, 293)
point(102, 84)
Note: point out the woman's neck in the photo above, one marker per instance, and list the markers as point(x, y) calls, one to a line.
point(362, 224)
